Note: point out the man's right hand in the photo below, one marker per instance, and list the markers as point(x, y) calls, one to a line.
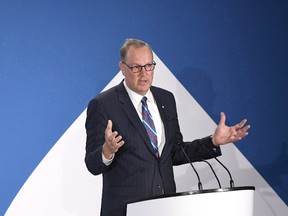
point(113, 141)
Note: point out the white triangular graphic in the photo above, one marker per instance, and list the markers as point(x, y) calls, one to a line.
point(61, 184)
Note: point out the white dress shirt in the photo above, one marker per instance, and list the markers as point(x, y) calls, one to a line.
point(152, 106)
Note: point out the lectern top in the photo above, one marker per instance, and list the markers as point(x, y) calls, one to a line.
point(193, 192)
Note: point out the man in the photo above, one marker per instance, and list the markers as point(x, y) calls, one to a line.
point(135, 153)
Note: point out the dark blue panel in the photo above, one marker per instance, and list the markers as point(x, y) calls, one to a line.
point(56, 55)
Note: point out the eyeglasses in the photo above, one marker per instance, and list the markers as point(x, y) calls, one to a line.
point(138, 68)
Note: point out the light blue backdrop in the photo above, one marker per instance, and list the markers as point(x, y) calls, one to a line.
point(55, 55)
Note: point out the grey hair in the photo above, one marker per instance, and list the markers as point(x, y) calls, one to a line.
point(132, 42)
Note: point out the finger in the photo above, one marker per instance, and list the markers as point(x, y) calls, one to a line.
point(112, 136)
point(108, 130)
point(243, 129)
point(246, 128)
point(222, 118)
point(237, 138)
point(120, 144)
point(239, 127)
point(241, 124)
point(241, 133)
point(116, 145)
point(118, 139)
point(109, 125)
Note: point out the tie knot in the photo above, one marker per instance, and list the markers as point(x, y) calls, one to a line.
point(144, 100)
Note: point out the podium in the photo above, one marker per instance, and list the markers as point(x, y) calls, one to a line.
point(237, 201)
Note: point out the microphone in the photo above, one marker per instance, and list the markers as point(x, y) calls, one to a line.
point(219, 184)
point(199, 182)
point(230, 176)
point(231, 180)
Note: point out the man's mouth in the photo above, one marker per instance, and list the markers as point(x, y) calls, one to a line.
point(143, 82)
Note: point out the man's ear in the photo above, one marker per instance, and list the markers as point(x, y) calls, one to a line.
point(121, 66)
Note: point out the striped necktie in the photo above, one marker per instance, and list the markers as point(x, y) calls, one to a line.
point(149, 125)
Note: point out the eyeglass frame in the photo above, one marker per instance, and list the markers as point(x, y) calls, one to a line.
point(139, 67)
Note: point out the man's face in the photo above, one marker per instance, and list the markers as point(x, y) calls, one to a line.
point(138, 82)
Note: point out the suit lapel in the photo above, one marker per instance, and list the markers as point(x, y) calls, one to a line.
point(132, 115)
point(161, 104)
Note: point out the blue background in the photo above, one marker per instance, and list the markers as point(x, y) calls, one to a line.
point(55, 55)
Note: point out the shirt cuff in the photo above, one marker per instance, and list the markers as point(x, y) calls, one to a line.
point(106, 161)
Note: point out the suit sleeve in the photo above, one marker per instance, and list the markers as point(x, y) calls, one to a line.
point(96, 123)
point(197, 150)
point(202, 149)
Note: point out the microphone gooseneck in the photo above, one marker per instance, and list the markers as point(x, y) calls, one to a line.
point(200, 187)
point(231, 180)
point(219, 184)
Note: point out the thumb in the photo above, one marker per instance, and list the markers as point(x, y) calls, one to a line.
point(109, 126)
point(222, 118)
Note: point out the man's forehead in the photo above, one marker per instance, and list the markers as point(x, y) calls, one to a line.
point(139, 53)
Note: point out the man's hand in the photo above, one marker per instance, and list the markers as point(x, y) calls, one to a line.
point(113, 141)
point(225, 134)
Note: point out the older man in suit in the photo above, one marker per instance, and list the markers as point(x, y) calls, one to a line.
point(133, 135)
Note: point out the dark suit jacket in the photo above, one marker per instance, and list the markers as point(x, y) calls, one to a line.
point(135, 172)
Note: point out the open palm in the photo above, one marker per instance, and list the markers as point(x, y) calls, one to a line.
point(226, 134)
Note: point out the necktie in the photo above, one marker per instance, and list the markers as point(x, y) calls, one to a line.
point(149, 125)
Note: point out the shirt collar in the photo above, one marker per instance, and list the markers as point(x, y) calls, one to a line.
point(136, 98)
